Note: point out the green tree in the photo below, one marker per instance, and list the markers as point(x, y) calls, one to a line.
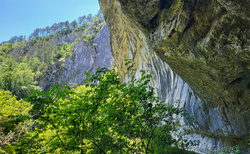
point(13, 120)
point(23, 81)
point(6, 74)
point(73, 24)
point(103, 116)
point(17, 78)
point(6, 48)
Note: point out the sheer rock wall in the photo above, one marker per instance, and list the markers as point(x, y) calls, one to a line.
point(203, 44)
point(85, 57)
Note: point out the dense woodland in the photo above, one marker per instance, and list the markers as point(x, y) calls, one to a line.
point(24, 60)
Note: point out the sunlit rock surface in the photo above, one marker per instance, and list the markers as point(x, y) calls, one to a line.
point(86, 58)
point(205, 42)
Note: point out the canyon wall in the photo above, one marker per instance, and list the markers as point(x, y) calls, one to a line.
point(85, 58)
point(198, 54)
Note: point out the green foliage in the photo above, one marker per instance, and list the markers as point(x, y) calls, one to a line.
point(79, 28)
point(48, 37)
point(103, 116)
point(6, 48)
point(13, 120)
point(66, 31)
point(89, 38)
point(1, 59)
point(234, 150)
point(44, 48)
point(16, 78)
point(64, 51)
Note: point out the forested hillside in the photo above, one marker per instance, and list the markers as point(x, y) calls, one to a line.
point(37, 116)
point(23, 61)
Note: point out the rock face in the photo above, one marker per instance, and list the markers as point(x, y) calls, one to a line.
point(206, 43)
point(85, 58)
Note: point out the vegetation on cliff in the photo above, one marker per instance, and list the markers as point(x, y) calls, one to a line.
point(23, 61)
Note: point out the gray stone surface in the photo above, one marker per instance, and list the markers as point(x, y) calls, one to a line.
point(173, 90)
point(205, 42)
point(85, 58)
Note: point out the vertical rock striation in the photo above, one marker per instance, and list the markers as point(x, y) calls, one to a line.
point(85, 58)
point(206, 43)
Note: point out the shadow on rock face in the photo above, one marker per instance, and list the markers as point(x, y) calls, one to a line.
point(205, 42)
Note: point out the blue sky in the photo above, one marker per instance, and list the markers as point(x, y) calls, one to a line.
point(22, 17)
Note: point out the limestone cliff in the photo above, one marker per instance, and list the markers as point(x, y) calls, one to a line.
point(206, 43)
point(85, 58)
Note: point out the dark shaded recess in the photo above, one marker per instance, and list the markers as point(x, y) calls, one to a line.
point(172, 32)
point(240, 95)
point(122, 2)
point(237, 80)
point(248, 86)
point(244, 79)
point(241, 84)
point(153, 23)
point(148, 24)
point(191, 21)
point(165, 4)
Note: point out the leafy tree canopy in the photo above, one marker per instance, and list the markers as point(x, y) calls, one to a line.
point(103, 116)
point(13, 120)
point(16, 78)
